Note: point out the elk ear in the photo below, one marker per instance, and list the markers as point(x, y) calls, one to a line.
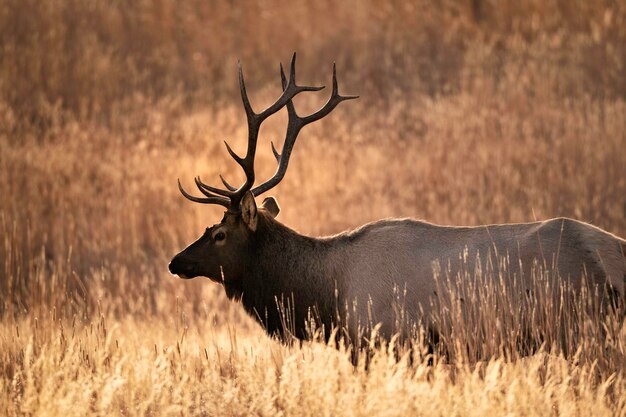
point(271, 205)
point(248, 211)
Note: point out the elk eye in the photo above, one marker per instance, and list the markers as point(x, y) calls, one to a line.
point(219, 236)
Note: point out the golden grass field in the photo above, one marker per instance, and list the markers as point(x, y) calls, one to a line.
point(470, 112)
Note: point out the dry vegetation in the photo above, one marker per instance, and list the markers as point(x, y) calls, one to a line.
point(470, 112)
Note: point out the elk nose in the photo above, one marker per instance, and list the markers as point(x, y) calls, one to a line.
point(176, 266)
point(182, 267)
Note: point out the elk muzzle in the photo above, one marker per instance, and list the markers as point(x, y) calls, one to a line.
point(182, 267)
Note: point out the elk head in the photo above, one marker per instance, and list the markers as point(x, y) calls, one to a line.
point(222, 253)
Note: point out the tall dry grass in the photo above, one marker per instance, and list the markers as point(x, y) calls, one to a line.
point(470, 112)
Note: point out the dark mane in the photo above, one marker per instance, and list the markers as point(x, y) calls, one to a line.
point(289, 271)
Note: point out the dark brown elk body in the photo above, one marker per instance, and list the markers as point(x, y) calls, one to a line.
point(287, 280)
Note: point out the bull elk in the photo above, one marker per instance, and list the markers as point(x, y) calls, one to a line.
point(260, 261)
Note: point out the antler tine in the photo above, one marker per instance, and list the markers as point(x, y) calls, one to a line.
point(244, 95)
point(208, 200)
point(283, 79)
point(294, 125)
point(233, 154)
point(207, 189)
point(275, 152)
point(290, 90)
point(333, 101)
point(227, 185)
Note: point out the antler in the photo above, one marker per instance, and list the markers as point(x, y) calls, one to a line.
point(294, 126)
point(231, 196)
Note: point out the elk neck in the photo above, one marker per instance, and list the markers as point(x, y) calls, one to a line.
point(292, 272)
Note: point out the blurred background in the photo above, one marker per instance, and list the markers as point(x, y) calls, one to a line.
point(470, 112)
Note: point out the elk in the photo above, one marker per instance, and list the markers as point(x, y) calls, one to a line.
point(264, 264)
